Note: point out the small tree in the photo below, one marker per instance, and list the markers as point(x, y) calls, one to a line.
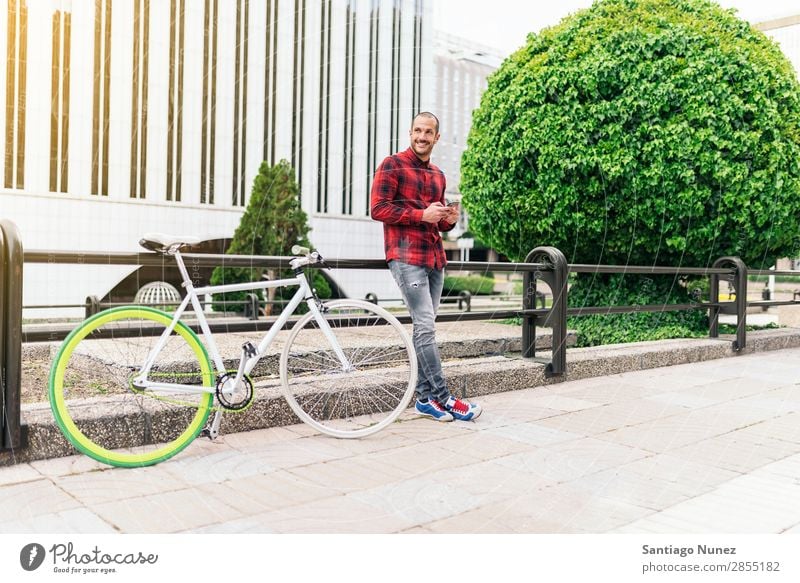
point(644, 132)
point(271, 225)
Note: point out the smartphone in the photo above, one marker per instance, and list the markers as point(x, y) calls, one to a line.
point(454, 203)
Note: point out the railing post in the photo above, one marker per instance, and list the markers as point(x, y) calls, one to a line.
point(738, 307)
point(465, 297)
point(251, 307)
point(12, 431)
point(92, 306)
point(4, 277)
point(556, 318)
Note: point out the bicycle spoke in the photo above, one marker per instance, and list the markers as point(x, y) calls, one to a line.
point(99, 409)
point(399, 353)
point(373, 390)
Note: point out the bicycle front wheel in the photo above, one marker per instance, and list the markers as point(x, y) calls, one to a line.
point(367, 393)
point(96, 405)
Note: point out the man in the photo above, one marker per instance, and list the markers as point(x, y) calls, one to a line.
point(408, 198)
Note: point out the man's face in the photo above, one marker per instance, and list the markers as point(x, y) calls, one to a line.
point(423, 136)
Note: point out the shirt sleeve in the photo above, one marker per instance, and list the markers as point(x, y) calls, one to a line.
point(384, 204)
point(444, 226)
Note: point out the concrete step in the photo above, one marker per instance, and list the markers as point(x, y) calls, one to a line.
point(471, 370)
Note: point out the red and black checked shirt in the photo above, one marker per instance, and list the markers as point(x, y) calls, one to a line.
point(403, 187)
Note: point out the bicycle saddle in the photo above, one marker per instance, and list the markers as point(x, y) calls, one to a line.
point(161, 243)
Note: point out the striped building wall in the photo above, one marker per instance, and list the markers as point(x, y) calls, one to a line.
point(126, 116)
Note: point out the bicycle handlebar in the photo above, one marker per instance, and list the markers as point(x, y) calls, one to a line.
point(311, 258)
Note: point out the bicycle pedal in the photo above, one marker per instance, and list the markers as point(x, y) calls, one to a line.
point(209, 433)
point(249, 350)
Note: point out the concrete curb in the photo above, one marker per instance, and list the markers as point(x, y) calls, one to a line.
point(473, 368)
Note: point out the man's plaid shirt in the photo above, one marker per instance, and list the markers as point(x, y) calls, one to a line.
point(403, 187)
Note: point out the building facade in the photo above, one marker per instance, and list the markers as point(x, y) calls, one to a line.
point(786, 32)
point(461, 70)
point(121, 117)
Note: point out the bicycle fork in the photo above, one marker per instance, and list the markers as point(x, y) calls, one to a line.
point(347, 366)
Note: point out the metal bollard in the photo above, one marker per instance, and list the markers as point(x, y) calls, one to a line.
point(92, 306)
point(13, 433)
point(737, 306)
point(4, 384)
point(465, 297)
point(766, 294)
point(556, 318)
point(251, 307)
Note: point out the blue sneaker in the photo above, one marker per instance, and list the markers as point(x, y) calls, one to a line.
point(432, 409)
point(462, 410)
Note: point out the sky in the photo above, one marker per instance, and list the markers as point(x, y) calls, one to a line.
point(507, 23)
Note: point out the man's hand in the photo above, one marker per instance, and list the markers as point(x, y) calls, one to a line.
point(453, 210)
point(436, 212)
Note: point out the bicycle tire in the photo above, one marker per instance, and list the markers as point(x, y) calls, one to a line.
point(102, 414)
point(358, 402)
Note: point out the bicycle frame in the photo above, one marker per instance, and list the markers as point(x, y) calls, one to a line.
point(304, 292)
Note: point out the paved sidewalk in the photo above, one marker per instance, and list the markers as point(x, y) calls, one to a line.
point(706, 447)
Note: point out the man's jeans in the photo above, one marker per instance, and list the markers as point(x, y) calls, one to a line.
point(422, 289)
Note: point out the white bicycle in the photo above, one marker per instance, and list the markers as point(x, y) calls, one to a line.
point(133, 386)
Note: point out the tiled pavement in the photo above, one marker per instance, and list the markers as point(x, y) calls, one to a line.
point(710, 447)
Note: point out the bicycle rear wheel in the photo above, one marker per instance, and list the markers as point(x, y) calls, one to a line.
point(98, 409)
point(367, 396)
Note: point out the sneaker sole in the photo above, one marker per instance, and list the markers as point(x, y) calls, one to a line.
point(473, 418)
point(441, 419)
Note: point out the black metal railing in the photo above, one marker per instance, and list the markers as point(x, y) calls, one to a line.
point(12, 430)
point(546, 264)
point(252, 305)
point(55, 332)
point(463, 299)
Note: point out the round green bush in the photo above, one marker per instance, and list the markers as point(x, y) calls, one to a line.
point(640, 132)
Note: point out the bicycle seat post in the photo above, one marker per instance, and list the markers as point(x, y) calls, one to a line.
point(187, 280)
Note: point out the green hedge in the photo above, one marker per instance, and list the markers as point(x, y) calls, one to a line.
point(475, 284)
point(618, 290)
point(778, 278)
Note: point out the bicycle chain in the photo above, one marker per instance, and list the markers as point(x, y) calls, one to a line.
point(214, 408)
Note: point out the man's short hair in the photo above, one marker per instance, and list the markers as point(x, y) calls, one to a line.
point(429, 115)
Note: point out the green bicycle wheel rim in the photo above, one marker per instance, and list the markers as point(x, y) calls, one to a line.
point(87, 446)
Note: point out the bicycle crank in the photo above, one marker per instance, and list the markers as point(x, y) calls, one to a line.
point(240, 398)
